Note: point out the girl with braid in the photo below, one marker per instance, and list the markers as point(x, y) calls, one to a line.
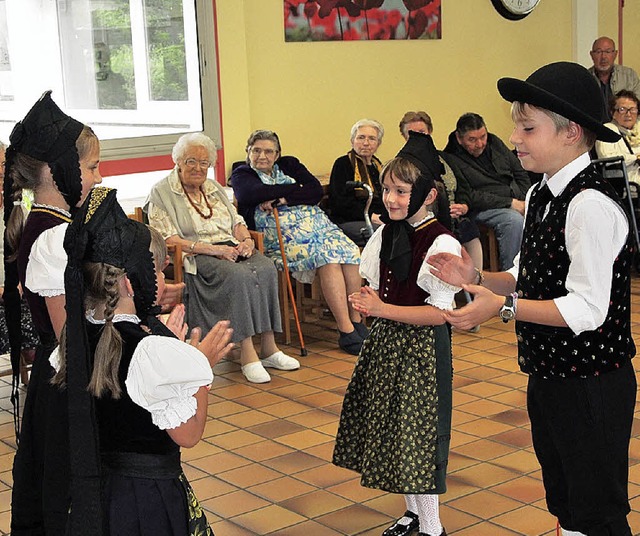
point(136, 392)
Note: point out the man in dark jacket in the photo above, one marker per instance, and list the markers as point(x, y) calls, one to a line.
point(494, 180)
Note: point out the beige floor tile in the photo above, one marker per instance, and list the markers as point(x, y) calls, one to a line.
point(354, 519)
point(243, 477)
point(268, 520)
point(315, 504)
point(281, 489)
point(528, 520)
point(235, 503)
point(262, 450)
point(485, 504)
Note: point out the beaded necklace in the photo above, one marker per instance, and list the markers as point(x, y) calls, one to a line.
point(196, 208)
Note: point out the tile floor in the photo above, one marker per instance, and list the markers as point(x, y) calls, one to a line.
point(263, 466)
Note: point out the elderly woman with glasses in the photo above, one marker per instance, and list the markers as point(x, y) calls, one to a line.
point(360, 164)
point(226, 278)
point(312, 242)
point(624, 111)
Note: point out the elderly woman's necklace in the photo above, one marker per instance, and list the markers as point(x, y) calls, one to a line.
point(196, 208)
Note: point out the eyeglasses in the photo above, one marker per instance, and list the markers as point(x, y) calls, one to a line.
point(191, 163)
point(622, 110)
point(599, 51)
point(256, 151)
point(362, 138)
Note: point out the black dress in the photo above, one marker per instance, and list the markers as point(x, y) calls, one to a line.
point(145, 491)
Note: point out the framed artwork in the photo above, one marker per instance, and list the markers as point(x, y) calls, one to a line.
point(361, 20)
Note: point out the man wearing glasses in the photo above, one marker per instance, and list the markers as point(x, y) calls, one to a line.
point(612, 77)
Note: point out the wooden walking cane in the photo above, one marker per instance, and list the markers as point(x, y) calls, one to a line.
point(303, 350)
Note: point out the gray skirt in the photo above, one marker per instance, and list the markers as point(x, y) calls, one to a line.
point(245, 293)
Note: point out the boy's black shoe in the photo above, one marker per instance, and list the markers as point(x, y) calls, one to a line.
point(399, 529)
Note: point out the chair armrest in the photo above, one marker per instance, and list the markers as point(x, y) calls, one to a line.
point(175, 252)
point(258, 238)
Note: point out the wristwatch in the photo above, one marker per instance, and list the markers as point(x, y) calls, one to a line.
point(508, 310)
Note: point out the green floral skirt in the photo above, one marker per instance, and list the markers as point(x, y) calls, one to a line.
point(395, 424)
point(198, 525)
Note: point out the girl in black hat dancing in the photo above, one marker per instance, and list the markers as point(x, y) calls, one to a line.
point(57, 158)
point(395, 423)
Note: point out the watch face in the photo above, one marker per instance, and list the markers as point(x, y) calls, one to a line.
point(507, 314)
point(515, 9)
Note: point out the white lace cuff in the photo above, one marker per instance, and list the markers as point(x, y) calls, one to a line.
point(442, 302)
point(176, 412)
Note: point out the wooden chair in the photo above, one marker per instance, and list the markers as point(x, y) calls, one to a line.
point(26, 361)
point(490, 251)
point(173, 272)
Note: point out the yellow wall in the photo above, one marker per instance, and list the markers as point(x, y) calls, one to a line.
point(311, 93)
point(631, 44)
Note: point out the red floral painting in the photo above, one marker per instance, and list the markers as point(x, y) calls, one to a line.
point(358, 20)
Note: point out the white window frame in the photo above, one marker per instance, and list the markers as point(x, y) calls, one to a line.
point(132, 146)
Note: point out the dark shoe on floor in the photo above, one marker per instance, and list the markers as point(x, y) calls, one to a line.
point(402, 529)
point(350, 342)
point(361, 329)
point(443, 533)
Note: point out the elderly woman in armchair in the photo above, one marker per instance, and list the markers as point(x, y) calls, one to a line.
point(226, 278)
point(312, 242)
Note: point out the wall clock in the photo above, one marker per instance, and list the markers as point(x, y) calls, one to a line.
point(515, 9)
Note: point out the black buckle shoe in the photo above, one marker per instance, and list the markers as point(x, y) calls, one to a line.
point(398, 529)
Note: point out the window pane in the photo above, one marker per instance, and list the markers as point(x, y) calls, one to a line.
point(166, 50)
point(113, 55)
point(129, 68)
point(6, 86)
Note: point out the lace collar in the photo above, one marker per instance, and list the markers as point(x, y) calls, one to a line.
point(430, 215)
point(51, 208)
point(116, 318)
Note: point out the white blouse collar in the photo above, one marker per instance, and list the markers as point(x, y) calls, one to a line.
point(116, 318)
point(55, 209)
point(430, 215)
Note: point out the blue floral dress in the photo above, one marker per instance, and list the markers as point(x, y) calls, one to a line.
point(311, 240)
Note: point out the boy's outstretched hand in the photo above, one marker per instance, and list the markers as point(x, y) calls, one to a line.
point(485, 305)
point(452, 269)
point(216, 344)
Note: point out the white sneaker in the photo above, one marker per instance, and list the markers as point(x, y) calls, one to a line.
point(255, 372)
point(281, 361)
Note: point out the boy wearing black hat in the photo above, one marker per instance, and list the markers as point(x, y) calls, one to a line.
point(569, 293)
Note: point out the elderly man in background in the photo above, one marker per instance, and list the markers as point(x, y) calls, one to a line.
point(497, 180)
point(612, 77)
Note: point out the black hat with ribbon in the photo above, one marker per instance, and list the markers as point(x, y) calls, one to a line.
point(100, 232)
point(565, 88)
point(48, 134)
point(396, 244)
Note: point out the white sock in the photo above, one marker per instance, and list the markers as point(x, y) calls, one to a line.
point(429, 513)
point(566, 532)
point(412, 505)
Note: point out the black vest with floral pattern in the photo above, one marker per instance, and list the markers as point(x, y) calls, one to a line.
point(556, 352)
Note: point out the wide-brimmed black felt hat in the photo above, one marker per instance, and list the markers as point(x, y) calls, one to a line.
point(565, 88)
